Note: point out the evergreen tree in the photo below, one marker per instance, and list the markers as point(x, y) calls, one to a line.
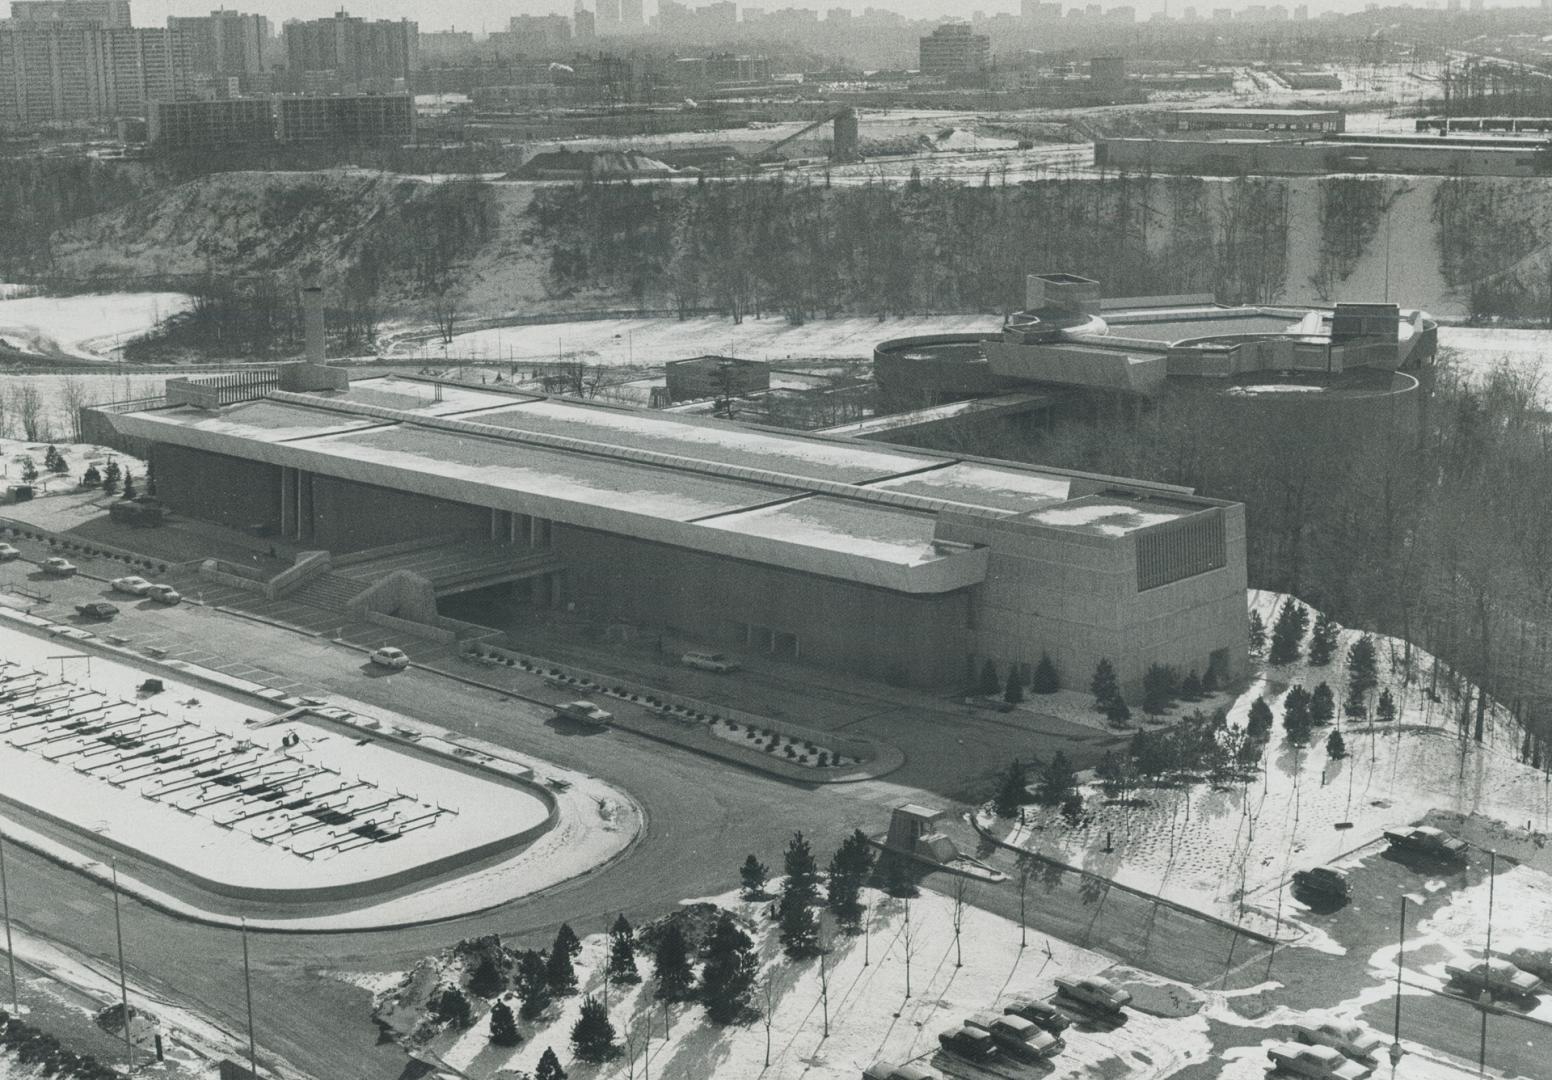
point(799, 928)
point(622, 952)
point(1045, 679)
point(671, 965)
point(487, 980)
point(1057, 778)
point(1356, 705)
point(1322, 706)
point(1288, 633)
point(91, 477)
point(899, 875)
point(1259, 726)
point(29, 469)
point(1362, 665)
point(1257, 634)
point(50, 457)
point(1296, 717)
point(1116, 712)
point(129, 485)
point(558, 972)
point(1152, 753)
point(1072, 808)
point(728, 976)
point(503, 1025)
point(1191, 687)
point(60, 466)
point(1013, 692)
point(1385, 711)
point(1104, 685)
point(990, 684)
point(566, 940)
point(1158, 689)
point(532, 983)
point(802, 872)
point(856, 853)
point(843, 889)
point(450, 1006)
point(110, 477)
point(753, 876)
point(1323, 641)
point(1336, 746)
point(1011, 793)
point(592, 1036)
point(150, 479)
point(549, 1067)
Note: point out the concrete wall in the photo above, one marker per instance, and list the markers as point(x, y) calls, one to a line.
point(214, 487)
point(348, 516)
point(909, 640)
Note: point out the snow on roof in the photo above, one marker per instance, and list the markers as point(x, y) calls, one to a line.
point(850, 528)
point(267, 421)
point(973, 484)
point(1107, 516)
point(416, 396)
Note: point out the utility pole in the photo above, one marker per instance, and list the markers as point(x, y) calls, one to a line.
point(1395, 1046)
point(118, 931)
point(10, 949)
point(1487, 962)
point(253, 1053)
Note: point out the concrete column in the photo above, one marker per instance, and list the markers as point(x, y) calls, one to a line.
point(304, 506)
point(312, 324)
point(288, 503)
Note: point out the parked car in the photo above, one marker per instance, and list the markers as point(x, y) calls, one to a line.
point(710, 661)
point(7, 553)
point(1041, 1013)
point(969, 1043)
point(1316, 1062)
point(1536, 961)
point(584, 712)
point(57, 567)
point(1094, 991)
point(1351, 1040)
point(883, 1070)
point(1020, 1039)
point(389, 657)
point(1500, 976)
point(163, 594)
point(97, 609)
point(1322, 881)
point(1427, 840)
point(133, 586)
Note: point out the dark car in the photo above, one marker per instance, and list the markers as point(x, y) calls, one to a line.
point(97, 609)
point(1427, 841)
point(969, 1043)
point(1043, 1014)
point(1322, 881)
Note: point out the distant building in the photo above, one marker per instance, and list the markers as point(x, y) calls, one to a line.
point(354, 49)
point(446, 46)
point(1321, 120)
point(191, 125)
point(346, 118)
point(702, 377)
point(1108, 74)
point(607, 16)
point(584, 25)
point(630, 14)
point(532, 35)
point(953, 49)
point(224, 42)
point(108, 14)
point(60, 73)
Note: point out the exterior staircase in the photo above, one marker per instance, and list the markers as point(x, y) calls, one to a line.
point(330, 591)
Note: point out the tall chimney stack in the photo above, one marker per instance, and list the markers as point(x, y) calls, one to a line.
point(312, 323)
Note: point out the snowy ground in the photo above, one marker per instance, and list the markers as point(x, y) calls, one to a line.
point(1205, 846)
point(1478, 349)
point(83, 327)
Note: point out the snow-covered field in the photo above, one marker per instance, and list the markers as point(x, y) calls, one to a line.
point(83, 327)
point(1207, 846)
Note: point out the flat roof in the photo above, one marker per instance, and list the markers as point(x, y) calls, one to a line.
point(1109, 515)
point(1275, 114)
point(858, 530)
point(418, 396)
point(1168, 327)
point(971, 484)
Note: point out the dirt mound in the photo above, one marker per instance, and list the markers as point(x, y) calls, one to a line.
point(594, 164)
point(695, 922)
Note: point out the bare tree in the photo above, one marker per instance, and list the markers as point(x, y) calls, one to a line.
point(72, 398)
point(28, 406)
point(910, 937)
point(770, 1010)
point(960, 894)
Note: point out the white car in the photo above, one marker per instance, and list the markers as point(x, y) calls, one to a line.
point(584, 712)
point(710, 661)
point(1353, 1040)
point(7, 553)
point(163, 594)
point(1095, 991)
point(391, 658)
point(134, 586)
point(57, 567)
point(1316, 1062)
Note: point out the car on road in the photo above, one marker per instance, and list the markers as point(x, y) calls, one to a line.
point(710, 661)
point(132, 585)
point(163, 594)
point(1535, 961)
point(57, 567)
point(1499, 976)
point(389, 657)
point(883, 1070)
point(7, 553)
point(1041, 1013)
point(1322, 881)
point(1351, 1040)
point(97, 609)
point(584, 712)
point(1316, 1062)
point(1427, 840)
point(968, 1042)
point(1094, 991)
point(1020, 1039)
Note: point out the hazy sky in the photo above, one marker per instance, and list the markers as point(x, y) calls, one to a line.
point(493, 14)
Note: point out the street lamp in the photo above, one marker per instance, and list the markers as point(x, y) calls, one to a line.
point(1395, 1046)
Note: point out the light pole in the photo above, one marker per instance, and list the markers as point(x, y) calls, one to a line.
point(1487, 963)
point(253, 1053)
point(1395, 1046)
point(118, 931)
point(10, 949)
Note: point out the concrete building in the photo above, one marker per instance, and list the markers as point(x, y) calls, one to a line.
point(700, 377)
point(63, 73)
point(910, 566)
point(352, 50)
point(345, 118)
point(107, 14)
point(1313, 120)
point(221, 122)
point(224, 42)
point(953, 49)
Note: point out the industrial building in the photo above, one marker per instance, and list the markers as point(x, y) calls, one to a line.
point(909, 566)
point(1311, 120)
